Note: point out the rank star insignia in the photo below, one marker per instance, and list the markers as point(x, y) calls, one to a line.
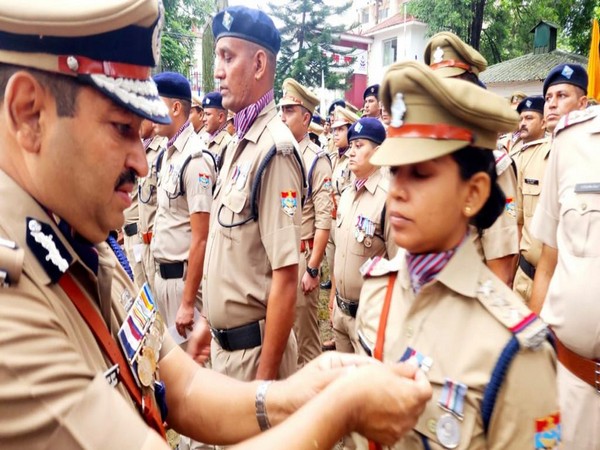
point(289, 202)
point(227, 20)
point(398, 110)
point(438, 55)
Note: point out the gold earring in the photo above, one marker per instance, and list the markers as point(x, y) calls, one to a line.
point(468, 210)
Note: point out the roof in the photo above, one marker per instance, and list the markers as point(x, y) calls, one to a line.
point(396, 19)
point(530, 67)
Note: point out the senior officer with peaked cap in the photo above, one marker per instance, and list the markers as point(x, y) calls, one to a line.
point(450, 57)
point(297, 107)
point(75, 84)
point(437, 305)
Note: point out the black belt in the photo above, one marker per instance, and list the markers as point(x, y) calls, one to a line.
point(131, 229)
point(171, 270)
point(239, 338)
point(526, 267)
point(347, 307)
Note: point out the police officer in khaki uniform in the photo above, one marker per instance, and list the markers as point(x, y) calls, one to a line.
point(147, 200)
point(197, 116)
point(362, 229)
point(371, 106)
point(437, 305)
point(449, 56)
point(66, 381)
point(530, 154)
point(251, 272)
point(565, 221)
point(215, 123)
point(297, 107)
point(131, 240)
point(184, 199)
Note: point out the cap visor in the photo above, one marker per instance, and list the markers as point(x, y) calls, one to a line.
point(138, 96)
point(402, 151)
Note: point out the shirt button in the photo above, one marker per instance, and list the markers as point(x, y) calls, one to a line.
point(409, 331)
point(583, 206)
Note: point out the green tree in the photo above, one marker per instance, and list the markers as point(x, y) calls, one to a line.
point(306, 42)
point(178, 39)
point(500, 29)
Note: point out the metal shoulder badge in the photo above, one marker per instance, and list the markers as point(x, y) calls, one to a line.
point(48, 249)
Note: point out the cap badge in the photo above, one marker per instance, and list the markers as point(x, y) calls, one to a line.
point(72, 63)
point(156, 33)
point(528, 103)
point(227, 20)
point(372, 90)
point(207, 101)
point(438, 55)
point(398, 110)
point(567, 72)
point(358, 127)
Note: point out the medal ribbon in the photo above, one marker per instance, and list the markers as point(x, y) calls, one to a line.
point(111, 349)
point(383, 319)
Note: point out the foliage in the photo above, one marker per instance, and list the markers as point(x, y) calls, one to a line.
point(306, 43)
point(178, 40)
point(504, 25)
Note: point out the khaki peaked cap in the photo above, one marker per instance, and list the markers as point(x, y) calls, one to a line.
point(343, 116)
point(433, 116)
point(450, 56)
point(296, 94)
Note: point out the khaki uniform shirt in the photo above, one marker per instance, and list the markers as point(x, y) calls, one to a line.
point(132, 214)
point(567, 218)
point(531, 166)
point(240, 259)
point(316, 213)
point(148, 185)
point(172, 228)
point(502, 238)
point(462, 321)
point(219, 143)
point(54, 393)
point(342, 177)
point(350, 254)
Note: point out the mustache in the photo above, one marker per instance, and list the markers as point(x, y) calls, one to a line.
point(127, 176)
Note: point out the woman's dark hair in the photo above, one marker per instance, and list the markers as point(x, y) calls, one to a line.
point(471, 160)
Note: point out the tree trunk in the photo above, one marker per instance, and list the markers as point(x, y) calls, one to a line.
point(478, 7)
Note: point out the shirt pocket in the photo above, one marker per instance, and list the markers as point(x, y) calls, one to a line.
point(230, 213)
point(531, 195)
point(580, 230)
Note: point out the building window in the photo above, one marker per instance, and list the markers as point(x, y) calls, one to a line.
point(364, 15)
point(390, 51)
point(384, 13)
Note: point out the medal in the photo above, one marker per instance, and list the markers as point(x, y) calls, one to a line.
point(148, 352)
point(361, 236)
point(144, 370)
point(448, 431)
point(368, 241)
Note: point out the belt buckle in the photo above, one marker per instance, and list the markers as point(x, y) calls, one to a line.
point(597, 377)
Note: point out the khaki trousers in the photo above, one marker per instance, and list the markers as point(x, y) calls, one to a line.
point(523, 285)
point(344, 330)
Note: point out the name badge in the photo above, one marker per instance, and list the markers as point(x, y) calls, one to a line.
point(532, 181)
point(112, 375)
point(593, 188)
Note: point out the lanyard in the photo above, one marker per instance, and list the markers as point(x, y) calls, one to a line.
point(383, 319)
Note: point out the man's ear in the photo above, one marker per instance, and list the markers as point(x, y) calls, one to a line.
point(25, 100)
point(260, 64)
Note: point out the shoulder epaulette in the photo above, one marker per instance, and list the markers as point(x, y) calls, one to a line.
point(11, 262)
point(575, 117)
point(503, 161)
point(378, 266)
point(284, 142)
point(525, 325)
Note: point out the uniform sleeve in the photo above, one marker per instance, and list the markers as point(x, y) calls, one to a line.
point(526, 410)
point(280, 210)
point(55, 400)
point(321, 195)
point(545, 219)
point(502, 238)
point(199, 181)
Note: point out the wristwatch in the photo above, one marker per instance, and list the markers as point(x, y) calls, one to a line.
point(312, 271)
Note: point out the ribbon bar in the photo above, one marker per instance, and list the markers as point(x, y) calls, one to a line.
point(86, 66)
point(438, 131)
